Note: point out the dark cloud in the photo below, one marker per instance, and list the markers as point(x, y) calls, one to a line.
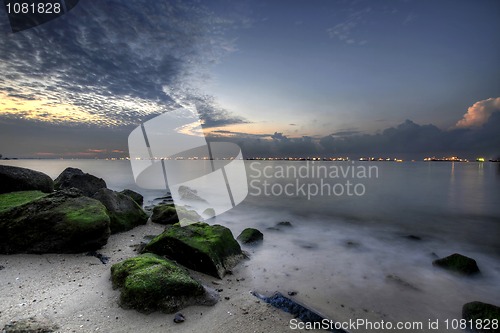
point(225, 133)
point(114, 58)
point(408, 140)
point(279, 136)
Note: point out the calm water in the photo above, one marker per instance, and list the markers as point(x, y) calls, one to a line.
point(348, 255)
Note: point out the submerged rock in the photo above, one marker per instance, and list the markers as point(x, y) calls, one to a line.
point(137, 197)
point(123, 211)
point(285, 224)
point(149, 283)
point(481, 312)
point(13, 179)
point(187, 193)
point(250, 235)
point(62, 222)
point(208, 249)
point(458, 263)
point(168, 214)
point(73, 177)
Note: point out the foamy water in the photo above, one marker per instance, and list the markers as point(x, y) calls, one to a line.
point(349, 257)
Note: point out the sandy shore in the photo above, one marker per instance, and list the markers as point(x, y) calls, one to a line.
point(74, 291)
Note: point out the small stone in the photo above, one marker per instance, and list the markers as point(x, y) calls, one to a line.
point(292, 293)
point(179, 318)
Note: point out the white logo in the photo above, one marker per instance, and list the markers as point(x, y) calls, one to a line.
point(170, 152)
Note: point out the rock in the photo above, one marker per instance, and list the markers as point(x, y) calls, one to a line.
point(250, 235)
point(62, 222)
point(124, 213)
point(137, 197)
point(209, 213)
point(285, 224)
point(413, 237)
point(485, 312)
point(72, 177)
point(187, 193)
point(13, 179)
point(179, 318)
point(458, 263)
point(149, 283)
point(167, 214)
point(208, 249)
point(305, 244)
point(30, 325)
point(104, 259)
point(164, 214)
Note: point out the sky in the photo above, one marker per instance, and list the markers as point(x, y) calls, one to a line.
point(279, 78)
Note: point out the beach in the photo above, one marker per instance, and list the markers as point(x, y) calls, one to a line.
point(347, 258)
point(74, 291)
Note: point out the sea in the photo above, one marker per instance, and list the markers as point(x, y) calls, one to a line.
point(363, 235)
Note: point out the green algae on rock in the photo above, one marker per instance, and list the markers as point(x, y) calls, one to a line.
point(62, 222)
point(168, 214)
point(150, 283)
point(210, 249)
point(123, 211)
point(14, 199)
point(250, 236)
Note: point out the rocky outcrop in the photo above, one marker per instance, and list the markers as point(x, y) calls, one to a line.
point(149, 283)
point(62, 222)
point(137, 197)
point(208, 249)
point(72, 177)
point(478, 312)
point(458, 263)
point(250, 236)
point(167, 214)
point(13, 179)
point(123, 211)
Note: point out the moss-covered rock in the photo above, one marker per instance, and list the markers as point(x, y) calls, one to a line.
point(76, 178)
point(199, 246)
point(250, 235)
point(485, 312)
point(149, 283)
point(62, 222)
point(458, 263)
point(137, 197)
point(168, 214)
point(14, 179)
point(123, 211)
